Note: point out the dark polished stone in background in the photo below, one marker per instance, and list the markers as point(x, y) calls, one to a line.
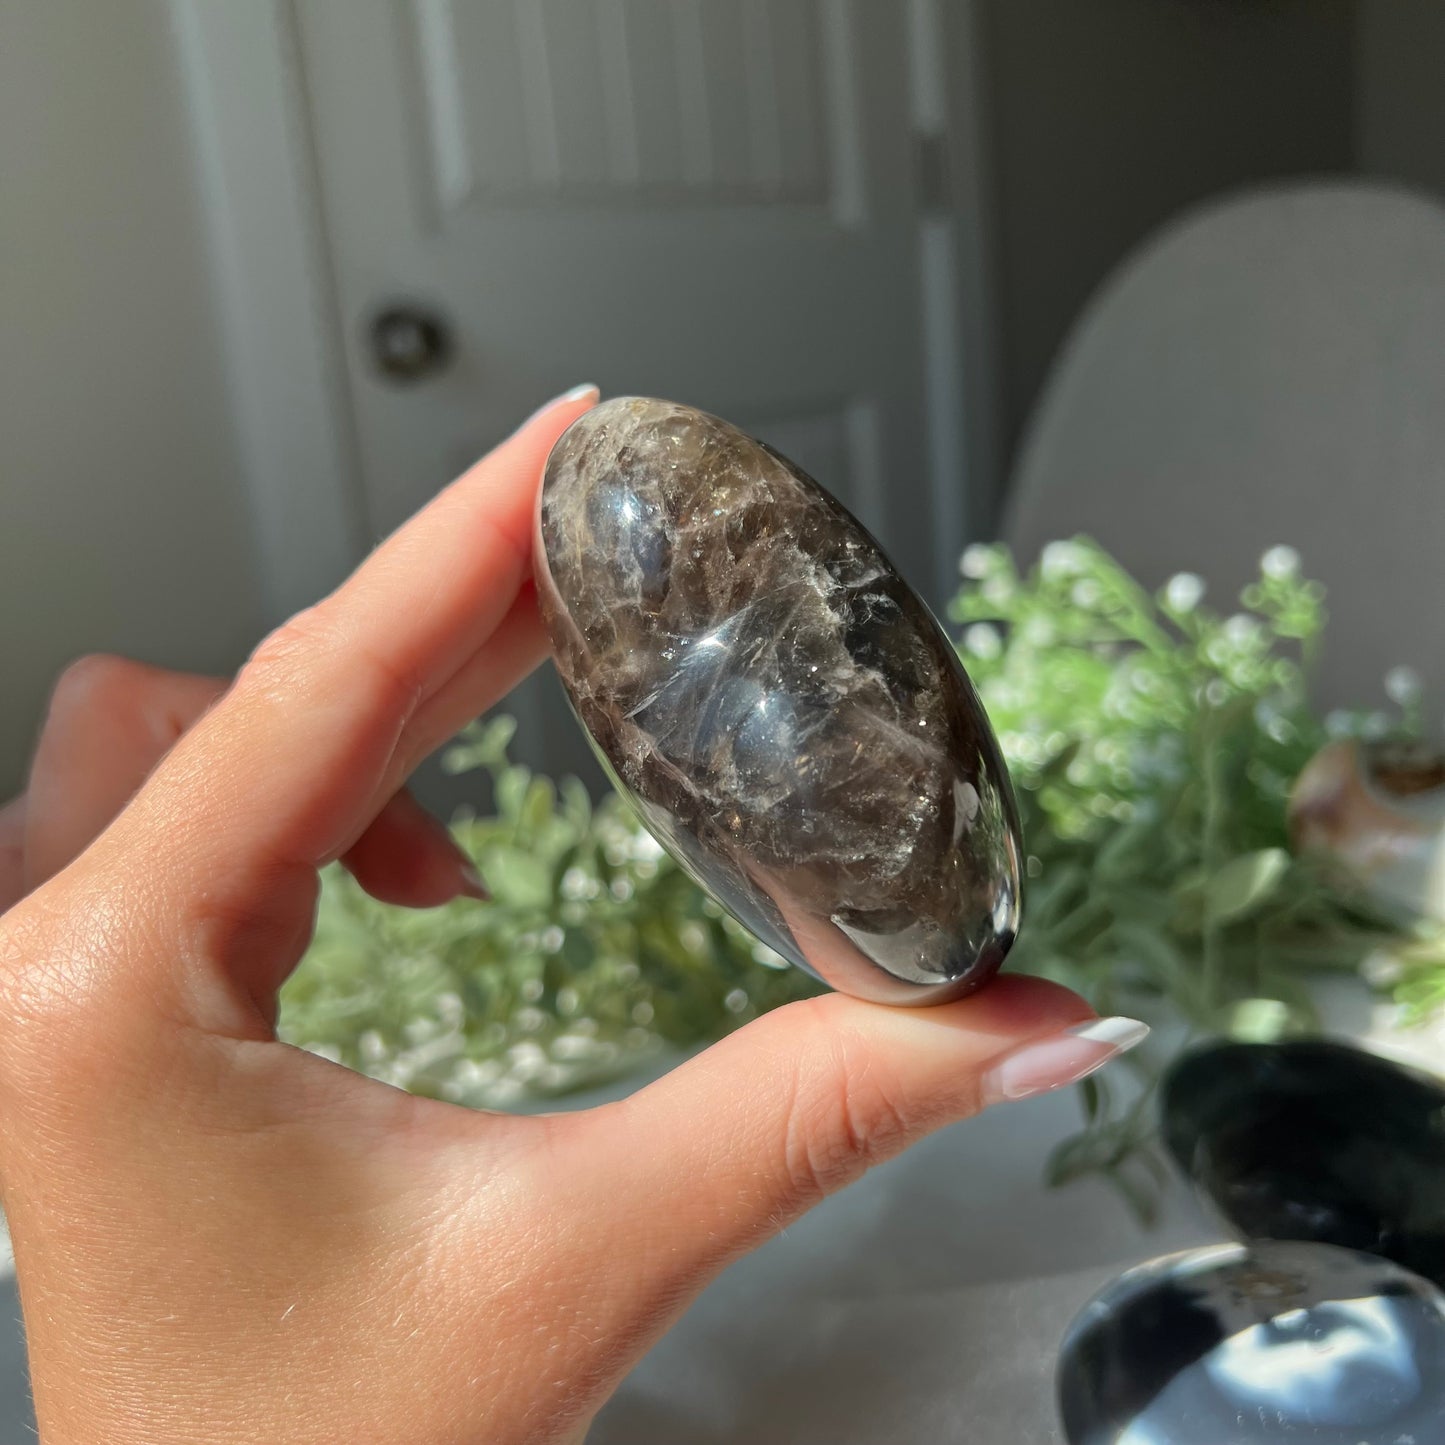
point(1300, 1344)
point(789, 719)
point(1315, 1140)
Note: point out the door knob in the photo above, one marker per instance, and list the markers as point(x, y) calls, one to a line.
point(409, 343)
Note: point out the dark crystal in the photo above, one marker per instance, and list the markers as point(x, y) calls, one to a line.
point(1266, 1342)
point(1314, 1140)
point(783, 710)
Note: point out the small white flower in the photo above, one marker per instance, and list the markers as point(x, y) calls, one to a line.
point(419, 1030)
point(526, 1058)
point(997, 590)
point(1279, 563)
point(1241, 630)
point(1402, 685)
point(470, 1073)
point(570, 1047)
point(576, 884)
point(555, 1077)
point(504, 1093)
point(1086, 592)
point(976, 562)
point(1039, 632)
point(1183, 591)
point(982, 640)
point(1339, 724)
point(1061, 559)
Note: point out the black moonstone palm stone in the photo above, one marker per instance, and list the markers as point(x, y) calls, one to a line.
point(782, 709)
point(1313, 1140)
point(1268, 1343)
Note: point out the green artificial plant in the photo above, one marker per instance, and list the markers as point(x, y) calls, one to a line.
point(1153, 744)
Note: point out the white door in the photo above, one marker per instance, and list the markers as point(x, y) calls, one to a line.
point(708, 200)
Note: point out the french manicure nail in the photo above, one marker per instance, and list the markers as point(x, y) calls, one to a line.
point(577, 393)
point(1042, 1065)
point(473, 884)
point(586, 388)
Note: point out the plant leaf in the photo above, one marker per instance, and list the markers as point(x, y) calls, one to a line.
point(1243, 884)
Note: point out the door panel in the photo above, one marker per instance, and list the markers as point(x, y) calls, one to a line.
point(623, 100)
point(709, 200)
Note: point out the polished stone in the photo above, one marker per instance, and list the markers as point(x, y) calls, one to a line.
point(1314, 1140)
point(786, 715)
point(1300, 1344)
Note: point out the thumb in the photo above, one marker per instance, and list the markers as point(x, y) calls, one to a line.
point(736, 1143)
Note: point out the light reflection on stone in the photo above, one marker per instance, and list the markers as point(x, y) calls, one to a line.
point(1255, 1344)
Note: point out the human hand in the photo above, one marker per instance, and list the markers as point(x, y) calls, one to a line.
point(111, 721)
point(222, 1238)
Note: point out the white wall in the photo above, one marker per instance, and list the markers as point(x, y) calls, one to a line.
point(1109, 117)
point(123, 523)
point(1400, 91)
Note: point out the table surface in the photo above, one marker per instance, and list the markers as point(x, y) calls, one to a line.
point(924, 1305)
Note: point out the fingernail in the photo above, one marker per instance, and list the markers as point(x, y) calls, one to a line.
point(585, 389)
point(1042, 1065)
point(473, 884)
point(577, 393)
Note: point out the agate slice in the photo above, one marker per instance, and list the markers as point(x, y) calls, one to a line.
point(1377, 811)
point(783, 711)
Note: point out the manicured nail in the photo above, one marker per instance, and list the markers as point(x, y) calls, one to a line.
point(577, 393)
point(473, 884)
point(1042, 1065)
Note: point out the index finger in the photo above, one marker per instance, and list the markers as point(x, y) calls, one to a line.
point(12, 852)
point(287, 770)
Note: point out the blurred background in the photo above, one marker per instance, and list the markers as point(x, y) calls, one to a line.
point(273, 272)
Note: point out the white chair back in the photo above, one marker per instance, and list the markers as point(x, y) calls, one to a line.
point(1269, 369)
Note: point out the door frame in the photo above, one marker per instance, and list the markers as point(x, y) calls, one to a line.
point(283, 336)
point(271, 260)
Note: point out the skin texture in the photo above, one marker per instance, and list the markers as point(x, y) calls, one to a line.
point(222, 1238)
